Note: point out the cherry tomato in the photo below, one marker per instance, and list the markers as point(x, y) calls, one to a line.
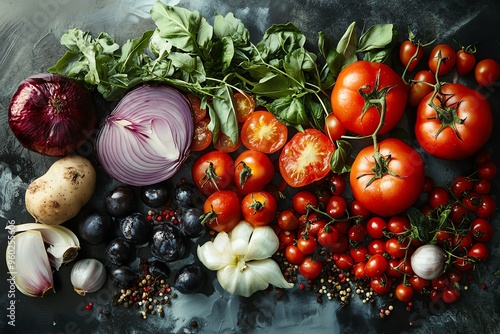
point(420, 87)
point(380, 285)
point(244, 106)
point(487, 170)
point(448, 57)
point(336, 207)
point(482, 230)
point(418, 283)
point(376, 246)
point(456, 124)
point(462, 242)
point(225, 144)
point(395, 248)
point(472, 201)
point(482, 187)
point(487, 72)
point(440, 282)
point(341, 246)
point(410, 50)
point(439, 196)
point(213, 171)
point(359, 271)
point(310, 268)
point(302, 198)
point(487, 208)
point(457, 212)
point(359, 253)
point(328, 236)
point(333, 128)
point(259, 208)
point(357, 232)
point(435, 295)
point(253, 171)
point(307, 245)
point(337, 184)
point(294, 255)
point(306, 158)
point(463, 264)
point(376, 226)
point(454, 275)
point(361, 81)
point(450, 294)
point(394, 268)
point(404, 292)
point(357, 209)
point(429, 184)
point(342, 226)
point(465, 60)
point(222, 210)
point(375, 266)
point(398, 224)
point(263, 132)
point(316, 225)
point(287, 220)
point(343, 261)
point(460, 186)
point(479, 251)
point(391, 185)
point(197, 111)
point(202, 136)
point(482, 155)
point(286, 238)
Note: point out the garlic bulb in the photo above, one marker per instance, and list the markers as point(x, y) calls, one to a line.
point(28, 264)
point(428, 261)
point(88, 275)
point(64, 244)
point(242, 259)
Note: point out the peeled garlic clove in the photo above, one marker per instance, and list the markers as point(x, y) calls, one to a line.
point(88, 275)
point(28, 264)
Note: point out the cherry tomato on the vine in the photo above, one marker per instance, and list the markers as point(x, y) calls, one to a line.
point(420, 87)
point(287, 220)
point(410, 50)
point(404, 292)
point(465, 60)
point(375, 266)
point(328, 236)
point(376, 226)
point(302, 198)
point(294, 255)
point(333, 128)
point(310, 268)
point(482, 229)
point(448, 57)
point(307, 245)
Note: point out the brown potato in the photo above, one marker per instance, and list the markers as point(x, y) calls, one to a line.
point(59, 194)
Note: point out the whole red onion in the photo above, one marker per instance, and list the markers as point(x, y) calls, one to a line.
point(51, 114)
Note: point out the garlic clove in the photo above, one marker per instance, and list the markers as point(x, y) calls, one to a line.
point(28, 264)
point(87, 276)
point(64, 244)
point(212, 257)
point(241, 231)
point(241, 283)
point(269, 271)
point(59, 255)
point(263, 244)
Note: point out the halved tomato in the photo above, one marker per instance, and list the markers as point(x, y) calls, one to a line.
point(263, 132)
point(244, 106)
point(306, 158)
point(202, 135)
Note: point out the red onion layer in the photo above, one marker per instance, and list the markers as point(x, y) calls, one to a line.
point(146, 137)
point(51, 114)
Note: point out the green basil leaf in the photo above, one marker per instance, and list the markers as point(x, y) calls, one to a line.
point(229, 26)
point(158, 45)
point(220, 56)
point(378, 36)
point(214, 125)
point(289, 110)
point(334, 61)
point(293, 65)
point(70, 65)
point(347, 44)
point(341, 161)
point(186, 30)
point(226, 112)
point(274, 86)
point(421, 227)
point(278, 41)
point(315, 110)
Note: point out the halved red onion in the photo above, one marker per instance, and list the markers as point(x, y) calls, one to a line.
point(146, 137)
point(51, 114)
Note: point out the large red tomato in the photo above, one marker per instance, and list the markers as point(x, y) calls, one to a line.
point(394, 183)
point(358, 91)
point(306, 158)
point(457, 126)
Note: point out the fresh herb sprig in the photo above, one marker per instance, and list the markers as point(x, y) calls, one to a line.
point(185, 51)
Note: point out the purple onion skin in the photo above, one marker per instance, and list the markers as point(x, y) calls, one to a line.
point(51, 114)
